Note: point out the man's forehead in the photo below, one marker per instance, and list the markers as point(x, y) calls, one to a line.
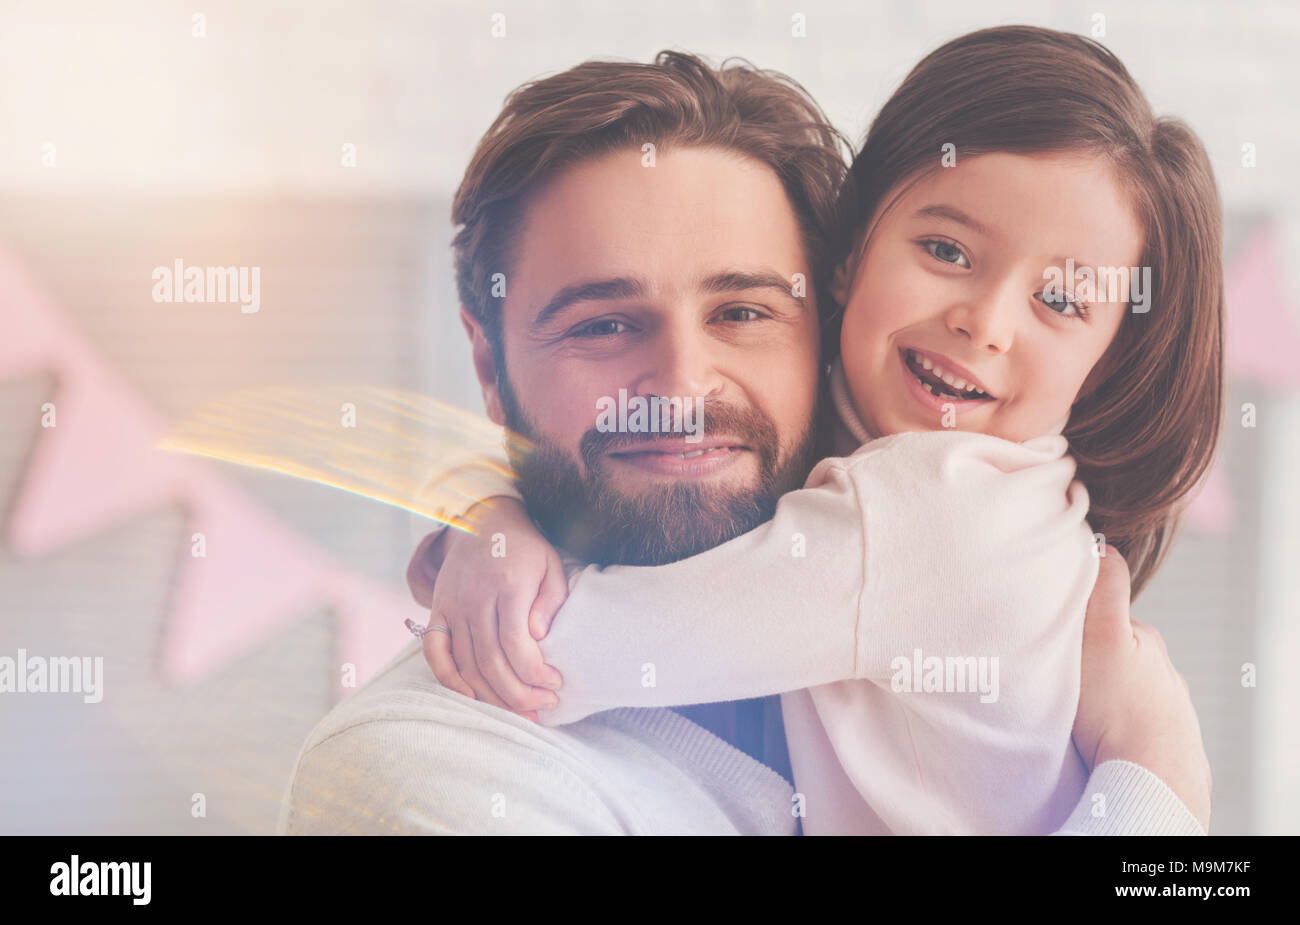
point(690, 199)
point(685, 223)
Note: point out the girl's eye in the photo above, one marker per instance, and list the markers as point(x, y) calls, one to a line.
point(946, 252)
point(1065, 305)
point(604, 327)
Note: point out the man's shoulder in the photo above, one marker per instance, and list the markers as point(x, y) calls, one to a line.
point(406, 755)
point(405, 691)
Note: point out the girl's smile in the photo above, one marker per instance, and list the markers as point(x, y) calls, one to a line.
point(940, 384)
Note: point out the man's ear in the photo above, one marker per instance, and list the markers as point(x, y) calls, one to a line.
point(485, 367)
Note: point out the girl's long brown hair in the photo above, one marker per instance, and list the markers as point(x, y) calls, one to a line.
point(1146, 423)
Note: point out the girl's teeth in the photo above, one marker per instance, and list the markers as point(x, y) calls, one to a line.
point(954, 383)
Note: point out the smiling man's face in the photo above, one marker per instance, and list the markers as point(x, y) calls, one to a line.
point(677, 281)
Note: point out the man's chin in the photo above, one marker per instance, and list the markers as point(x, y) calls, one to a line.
point(654, 527)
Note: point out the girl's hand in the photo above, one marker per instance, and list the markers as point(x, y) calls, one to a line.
point(496, 591)
point(1133, 704)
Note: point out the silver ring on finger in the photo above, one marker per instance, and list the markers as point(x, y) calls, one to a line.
point(419, 632)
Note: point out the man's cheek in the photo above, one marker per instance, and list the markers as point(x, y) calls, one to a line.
point(564, 424)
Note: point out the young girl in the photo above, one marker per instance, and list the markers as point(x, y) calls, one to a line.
point(919, 604)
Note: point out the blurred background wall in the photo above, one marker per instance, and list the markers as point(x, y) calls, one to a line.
point(322, 142)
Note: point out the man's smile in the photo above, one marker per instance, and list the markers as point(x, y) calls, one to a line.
point(682, 458)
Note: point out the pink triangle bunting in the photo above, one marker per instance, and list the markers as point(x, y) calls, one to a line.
point(256, 577)
point(1211, 509)
point(98, 465)
point(370, 621)
point(1263, 343)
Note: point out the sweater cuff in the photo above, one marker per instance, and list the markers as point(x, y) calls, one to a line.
point(1133, 801)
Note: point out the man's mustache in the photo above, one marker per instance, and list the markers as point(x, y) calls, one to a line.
point(720, 419)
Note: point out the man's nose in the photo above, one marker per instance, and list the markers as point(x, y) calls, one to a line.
point(988, 318)
point(680, 362)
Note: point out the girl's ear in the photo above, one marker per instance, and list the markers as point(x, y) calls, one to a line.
point(841, 280)
point(841, 285)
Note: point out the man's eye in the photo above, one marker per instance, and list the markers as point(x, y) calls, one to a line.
point(740, 313)
point(602, 328)
point(1064, 305)
point(947, 252)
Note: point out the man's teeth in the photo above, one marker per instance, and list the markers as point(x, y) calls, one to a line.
point(691, 455)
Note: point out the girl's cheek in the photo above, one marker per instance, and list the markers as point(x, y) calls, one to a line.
point(853, 333)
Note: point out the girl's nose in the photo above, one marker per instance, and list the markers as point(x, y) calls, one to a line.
point(988, 321)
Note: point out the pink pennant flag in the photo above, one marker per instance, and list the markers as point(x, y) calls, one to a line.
point(370, 624)
point(96, 464)
point(1263, 343)
point(243, 577)
point(243, 574)
point(1211, 509)
point(93, 462)
point(29, 323)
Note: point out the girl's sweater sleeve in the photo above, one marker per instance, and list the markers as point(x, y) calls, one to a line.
point(882, 553)
point(446, 497)
point(448, 494)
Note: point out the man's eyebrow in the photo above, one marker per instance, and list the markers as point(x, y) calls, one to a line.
point(953, 214)
point(596, 290)
point(737, 280)
point(624, 287)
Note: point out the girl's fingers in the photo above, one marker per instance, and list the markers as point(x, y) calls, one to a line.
point(550, 597)
point(1107, 616)
point(462, 650)
point(521, 649)
point(495, 668)
point(437, 652)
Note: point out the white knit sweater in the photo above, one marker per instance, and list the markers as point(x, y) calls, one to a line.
point(404, 755)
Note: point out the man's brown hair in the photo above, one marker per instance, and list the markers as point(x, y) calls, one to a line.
point(599, 106)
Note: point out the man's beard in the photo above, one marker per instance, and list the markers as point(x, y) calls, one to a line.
point(590, 518)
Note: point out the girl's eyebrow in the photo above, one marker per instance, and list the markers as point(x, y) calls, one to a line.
point(953, 214)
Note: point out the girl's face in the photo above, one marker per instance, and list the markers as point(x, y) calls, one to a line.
point(955, 281)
